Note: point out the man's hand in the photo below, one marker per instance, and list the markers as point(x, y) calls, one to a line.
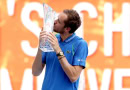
point(43, 35)
point(54, 42)
point(51, 38)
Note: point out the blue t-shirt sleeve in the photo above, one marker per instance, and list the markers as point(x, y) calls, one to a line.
point(81, 54)
point(43, 57)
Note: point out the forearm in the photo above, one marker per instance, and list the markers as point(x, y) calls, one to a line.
point(71, 71)
point(37, 66)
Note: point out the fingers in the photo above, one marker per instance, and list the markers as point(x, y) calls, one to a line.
point(50, 40)
point(49, 35)
point(53, 40)
point(42, 29)
point(42, 32)
point(52, 35)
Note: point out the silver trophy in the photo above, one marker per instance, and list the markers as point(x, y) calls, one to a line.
point(49, 18)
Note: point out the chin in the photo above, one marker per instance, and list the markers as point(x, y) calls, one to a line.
point(54, 30)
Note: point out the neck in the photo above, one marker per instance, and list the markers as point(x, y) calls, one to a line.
point(65, 36)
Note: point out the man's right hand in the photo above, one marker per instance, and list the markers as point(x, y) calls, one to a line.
point(42, 35)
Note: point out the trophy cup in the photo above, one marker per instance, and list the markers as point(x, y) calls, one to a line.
point(49, 18)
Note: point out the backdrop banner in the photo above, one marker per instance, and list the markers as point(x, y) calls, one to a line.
point(105, 27)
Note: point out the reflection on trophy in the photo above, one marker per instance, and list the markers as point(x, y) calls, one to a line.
point(49, 17)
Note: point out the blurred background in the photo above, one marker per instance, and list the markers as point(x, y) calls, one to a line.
point(105, 27)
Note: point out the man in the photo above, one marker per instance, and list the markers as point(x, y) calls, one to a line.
point(64, 65)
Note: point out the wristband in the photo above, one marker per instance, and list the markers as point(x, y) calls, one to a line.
point(61, 57)
point(60, 54)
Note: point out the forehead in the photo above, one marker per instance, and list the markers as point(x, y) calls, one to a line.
point(62, 17)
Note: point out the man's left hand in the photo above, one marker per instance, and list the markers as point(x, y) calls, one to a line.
point(54, 42)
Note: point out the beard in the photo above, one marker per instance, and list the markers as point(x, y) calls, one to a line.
point(61, 31)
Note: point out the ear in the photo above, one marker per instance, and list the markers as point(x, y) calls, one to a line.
point(67, 29)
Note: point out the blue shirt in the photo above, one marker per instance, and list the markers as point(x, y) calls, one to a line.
point(75, 50)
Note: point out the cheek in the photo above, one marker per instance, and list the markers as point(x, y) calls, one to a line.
point(58, 26)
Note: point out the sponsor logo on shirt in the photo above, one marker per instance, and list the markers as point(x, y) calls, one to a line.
point(68, 51)
point(80, 60)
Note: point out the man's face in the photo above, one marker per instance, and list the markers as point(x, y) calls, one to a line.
point(59, 23)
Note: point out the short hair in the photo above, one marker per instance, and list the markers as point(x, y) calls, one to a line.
point(73, 20)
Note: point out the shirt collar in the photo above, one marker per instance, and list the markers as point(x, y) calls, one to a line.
point(69, 38)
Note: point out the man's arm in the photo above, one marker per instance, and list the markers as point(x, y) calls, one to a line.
point(73, 72)
point(37, 66)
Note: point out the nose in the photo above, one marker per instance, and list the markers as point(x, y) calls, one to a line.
point(55, 21)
